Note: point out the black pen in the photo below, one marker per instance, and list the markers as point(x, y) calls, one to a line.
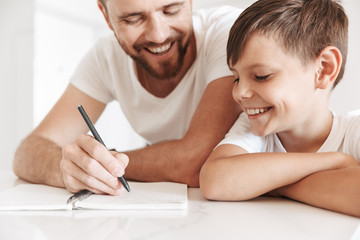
point(98, 138)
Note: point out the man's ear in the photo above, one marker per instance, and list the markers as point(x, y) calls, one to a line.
point(329, 64)
point(104, 12)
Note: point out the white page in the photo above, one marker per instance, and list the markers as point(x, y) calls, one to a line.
point(157, 195)
point(34, 197)
point(164, 195)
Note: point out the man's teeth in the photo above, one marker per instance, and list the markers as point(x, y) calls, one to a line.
point(254, 111)
point(159, 50)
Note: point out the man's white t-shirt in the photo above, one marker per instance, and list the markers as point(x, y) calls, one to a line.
point(107, 73)
point(344, 136)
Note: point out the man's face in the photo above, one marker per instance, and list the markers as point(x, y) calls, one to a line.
point(155, 33)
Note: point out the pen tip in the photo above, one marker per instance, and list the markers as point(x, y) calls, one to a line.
point(124, 183)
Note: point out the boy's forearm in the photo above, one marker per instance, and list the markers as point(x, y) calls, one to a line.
point(247, 176)
point(37, 160)
point(336, 190)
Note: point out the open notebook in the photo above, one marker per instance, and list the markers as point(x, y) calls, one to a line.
point(159, 195)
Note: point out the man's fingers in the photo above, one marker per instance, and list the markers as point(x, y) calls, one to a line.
point(122, 159)
point(99, 152)
point(77, 179)
point(89, 173)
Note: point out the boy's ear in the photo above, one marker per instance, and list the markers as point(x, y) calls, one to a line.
point(104, 12)
point(329, 64)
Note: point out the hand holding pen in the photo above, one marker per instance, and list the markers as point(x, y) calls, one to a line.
point(86, 165)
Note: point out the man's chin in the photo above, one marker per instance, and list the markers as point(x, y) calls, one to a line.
point(164, 71)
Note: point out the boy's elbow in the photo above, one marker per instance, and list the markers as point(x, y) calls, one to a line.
point(209, 184)
point(214, 185)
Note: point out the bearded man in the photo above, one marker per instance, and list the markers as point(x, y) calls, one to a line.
point(166, 66)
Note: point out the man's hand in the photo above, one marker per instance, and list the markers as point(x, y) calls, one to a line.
point(87, 164)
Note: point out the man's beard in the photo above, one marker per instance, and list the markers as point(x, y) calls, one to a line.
point(167, 69)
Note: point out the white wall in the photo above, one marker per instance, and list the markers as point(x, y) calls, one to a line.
point(346, 95)
point(22, 65)
point(16, 74)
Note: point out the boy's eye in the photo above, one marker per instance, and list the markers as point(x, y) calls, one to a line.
point(236, 80)
point(262, 78)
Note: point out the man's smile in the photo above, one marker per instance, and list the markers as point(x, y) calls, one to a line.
point(160, 49)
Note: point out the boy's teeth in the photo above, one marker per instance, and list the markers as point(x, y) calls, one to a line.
point(254, 111)
point(161, 49)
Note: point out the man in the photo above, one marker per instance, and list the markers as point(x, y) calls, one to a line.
point(171, 80)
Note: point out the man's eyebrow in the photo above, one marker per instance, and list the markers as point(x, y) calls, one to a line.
point(180, 3)
point(131, 14)
point(126, 15)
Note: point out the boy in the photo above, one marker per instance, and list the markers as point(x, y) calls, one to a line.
point(287, 56)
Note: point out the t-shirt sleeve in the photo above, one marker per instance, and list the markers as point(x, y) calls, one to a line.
point(215, 42)
point(90, 74)
point(352, 140)
point(240, 135)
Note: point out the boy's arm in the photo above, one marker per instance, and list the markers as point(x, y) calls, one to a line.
point(337, 190)
point(232, 174)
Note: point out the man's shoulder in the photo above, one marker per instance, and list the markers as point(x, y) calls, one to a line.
point(225, 14)
point(106, 43)
point(219, 12)
point(106, 48)
point(211, 26)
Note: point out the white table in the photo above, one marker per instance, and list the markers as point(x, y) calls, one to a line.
point(262, 218)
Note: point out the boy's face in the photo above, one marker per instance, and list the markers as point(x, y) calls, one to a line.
point(155, 33)
point(275, 89)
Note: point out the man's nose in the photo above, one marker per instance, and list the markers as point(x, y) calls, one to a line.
point(157, 29)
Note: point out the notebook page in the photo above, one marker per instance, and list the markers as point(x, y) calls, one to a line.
point(157, 195)
point(34, 197)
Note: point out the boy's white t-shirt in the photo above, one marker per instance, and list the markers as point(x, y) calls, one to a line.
point(344, 136)
point(107, 73)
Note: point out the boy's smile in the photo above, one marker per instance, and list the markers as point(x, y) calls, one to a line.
point(275, 89)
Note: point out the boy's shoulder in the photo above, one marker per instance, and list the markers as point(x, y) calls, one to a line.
point(347, 125)
point(349, 117)
point(346, 122)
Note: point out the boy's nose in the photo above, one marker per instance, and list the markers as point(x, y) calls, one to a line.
point(242, 90)
point(157, 30)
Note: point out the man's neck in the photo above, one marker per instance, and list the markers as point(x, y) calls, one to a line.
point(162, 88)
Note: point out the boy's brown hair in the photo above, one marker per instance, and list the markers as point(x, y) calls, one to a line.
point(302, 27)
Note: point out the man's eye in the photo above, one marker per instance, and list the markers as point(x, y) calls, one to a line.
point(132, 20)
point(171, 10)
point(236, 80)
point(262, 78)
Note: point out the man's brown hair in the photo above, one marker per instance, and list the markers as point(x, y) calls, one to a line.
point(302, 27)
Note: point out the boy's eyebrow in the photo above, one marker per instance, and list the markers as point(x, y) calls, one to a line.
point(252, 66)
point(130, 14)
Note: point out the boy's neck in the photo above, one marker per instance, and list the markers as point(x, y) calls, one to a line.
point(309, 138)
